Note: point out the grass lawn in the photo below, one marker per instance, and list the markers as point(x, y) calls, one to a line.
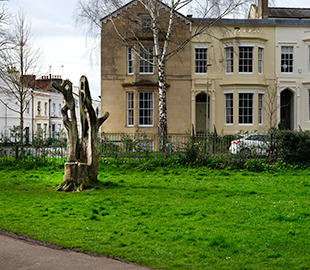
point(168, 218)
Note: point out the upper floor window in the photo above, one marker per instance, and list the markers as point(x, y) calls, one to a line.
point(28, 109)
point(229, 59)
point(39, 108)
point(260, 59)
point(287, 59)
point(201, 59)
point(246, 59)
point(146, 108)
point(53, 109)
point(245, 107)
point(146, 24)
point(130, 55)
point(309, 57)
point(59, 110)
point(45, 108)
point(146, 66)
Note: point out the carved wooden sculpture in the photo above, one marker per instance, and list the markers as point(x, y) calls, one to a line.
point(81, 168)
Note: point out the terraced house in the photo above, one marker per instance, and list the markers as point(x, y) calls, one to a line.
point(242, 74)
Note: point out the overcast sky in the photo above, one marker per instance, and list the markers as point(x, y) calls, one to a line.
point(64, 45)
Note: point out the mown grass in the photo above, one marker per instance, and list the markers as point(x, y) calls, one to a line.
point(168, 218)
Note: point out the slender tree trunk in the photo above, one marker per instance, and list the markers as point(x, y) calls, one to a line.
point(162, 109)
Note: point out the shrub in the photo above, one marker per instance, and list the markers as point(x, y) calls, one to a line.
point(293, 147)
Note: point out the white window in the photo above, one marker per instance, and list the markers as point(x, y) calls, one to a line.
point(246, 59)
point(130, 109)
point(260, 59)
point(146, 108)
point(53, 109)
point(260, 109)
point(130, 55)
point(245, 107)
point(28, 109)
point(287, 59)
point(309, 57)
point(39, 108)
point(309, 105)
point(39, 127)
point(146, 24)
point(229, 59)
point(201, 59)
point(45, 108)
point(146, 67)
point(229, 112)
point(59, 110)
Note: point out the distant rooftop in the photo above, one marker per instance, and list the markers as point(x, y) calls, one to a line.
point(288, 13)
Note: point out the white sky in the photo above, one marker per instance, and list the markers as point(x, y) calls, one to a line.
point(64, 45)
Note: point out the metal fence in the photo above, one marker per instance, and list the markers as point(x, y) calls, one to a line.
point(116, 145)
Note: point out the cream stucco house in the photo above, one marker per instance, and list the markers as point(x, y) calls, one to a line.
point(250, 73)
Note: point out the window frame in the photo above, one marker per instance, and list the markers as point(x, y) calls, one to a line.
point(143, 109)
point(283, 60)
point(148, 56)
point(45, 109)
point(230, 108)
point(39, 108)
point(201, 64)
point(309, 57)
point(309, 105)
point(261, 107)
point(260, 59)
point(130, 109)
point(130, 61)
point(244, 65)
point(146, 24)
point(248, 97)
point(229, 69)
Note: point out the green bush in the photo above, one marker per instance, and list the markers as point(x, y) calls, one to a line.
point(293, 147)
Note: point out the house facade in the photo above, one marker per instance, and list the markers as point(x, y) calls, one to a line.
point(292, 58)
point(234, 87)
point(129, 85)
point(249, 75)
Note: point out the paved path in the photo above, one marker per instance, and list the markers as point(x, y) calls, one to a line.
point(21, 253)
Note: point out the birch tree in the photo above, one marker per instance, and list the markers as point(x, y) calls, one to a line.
point(19, 62)
point(162, 25)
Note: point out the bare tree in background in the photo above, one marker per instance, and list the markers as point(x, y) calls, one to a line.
point(19, 61)
point(270, 101)
point(3, 22)
point(162, 24)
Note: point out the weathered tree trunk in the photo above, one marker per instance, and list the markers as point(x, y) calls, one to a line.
point(81, 169)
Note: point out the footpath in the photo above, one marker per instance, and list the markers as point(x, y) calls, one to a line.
point(18, 252)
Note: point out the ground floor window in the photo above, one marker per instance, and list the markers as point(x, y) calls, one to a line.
point(229, 112)
point(130, 109)
point(245, 108)
point(146, 108)
point(309, 105)
point(260, 109)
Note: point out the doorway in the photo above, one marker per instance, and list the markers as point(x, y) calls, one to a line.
point(202, 125)
point(287, 109)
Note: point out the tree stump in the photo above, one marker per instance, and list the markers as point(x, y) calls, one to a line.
point(81, 168)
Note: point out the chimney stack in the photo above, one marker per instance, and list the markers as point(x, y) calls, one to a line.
point(263, 9)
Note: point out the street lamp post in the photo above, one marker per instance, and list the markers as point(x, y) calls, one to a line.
point(207, 109)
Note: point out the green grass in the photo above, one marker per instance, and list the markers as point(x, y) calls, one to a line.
point(168, 218)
